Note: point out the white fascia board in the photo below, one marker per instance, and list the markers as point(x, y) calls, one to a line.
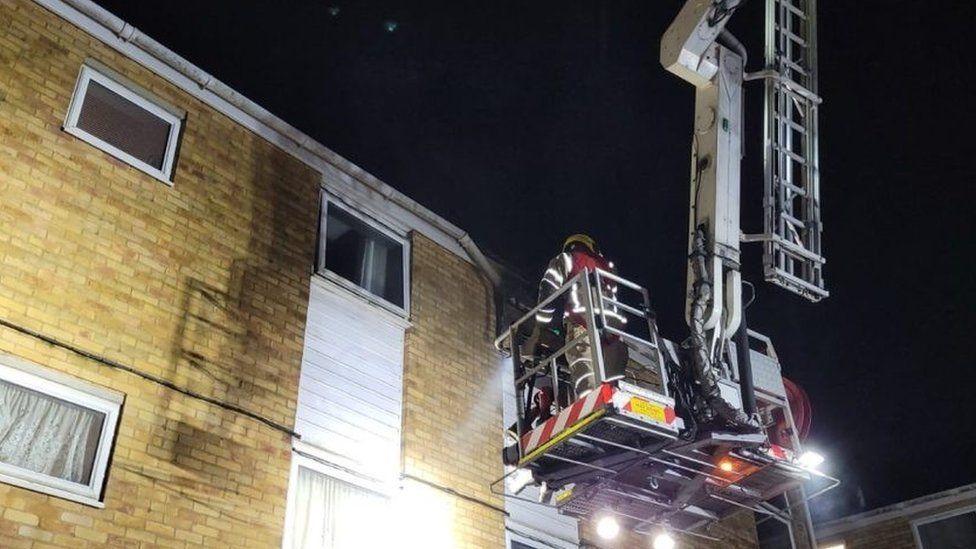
point(355, 182)
point(897, 510)
point(392, 213)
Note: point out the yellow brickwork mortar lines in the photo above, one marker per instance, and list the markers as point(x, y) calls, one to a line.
point(452, 393)
point(107, 259)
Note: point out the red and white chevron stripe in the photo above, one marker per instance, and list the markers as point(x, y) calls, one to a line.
point(566, 418)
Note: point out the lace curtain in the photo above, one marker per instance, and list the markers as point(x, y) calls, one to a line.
point(47, 435)
point(331, 514)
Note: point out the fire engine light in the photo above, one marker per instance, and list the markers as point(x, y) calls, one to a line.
point(663, 541)
point(810, 459)
point(519, 480)
point(607, 527)
point(726, 465)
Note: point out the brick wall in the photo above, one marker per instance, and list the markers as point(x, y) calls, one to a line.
point(452, 402)
point(889, 534)
point(893, 533)
point(175, 281)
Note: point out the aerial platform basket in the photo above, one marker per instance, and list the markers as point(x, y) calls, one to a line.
point(623, 448)
point(634, 411)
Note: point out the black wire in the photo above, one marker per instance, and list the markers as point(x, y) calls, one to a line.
point(752, 294)
point(455, 493)
point(722, 11)
point(699, 168)
point(681, 389)
point(149, 377)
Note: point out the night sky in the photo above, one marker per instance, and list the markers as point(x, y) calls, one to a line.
point(523, 122)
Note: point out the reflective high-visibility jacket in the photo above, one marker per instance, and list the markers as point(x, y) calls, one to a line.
point(564, 267)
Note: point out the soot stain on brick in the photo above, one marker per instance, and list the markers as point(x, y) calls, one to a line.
point(230, 341)
point(202, 491)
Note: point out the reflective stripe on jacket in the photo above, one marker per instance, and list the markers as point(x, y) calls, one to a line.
point(564, 267)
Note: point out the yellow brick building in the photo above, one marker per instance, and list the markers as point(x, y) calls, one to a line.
point(248, 340)
point(187, 299)
point(172, 281)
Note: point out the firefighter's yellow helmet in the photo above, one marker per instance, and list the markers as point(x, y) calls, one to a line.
point(580, 238)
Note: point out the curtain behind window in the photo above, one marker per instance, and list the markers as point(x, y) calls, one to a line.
point(47, 435)
point(331, 514)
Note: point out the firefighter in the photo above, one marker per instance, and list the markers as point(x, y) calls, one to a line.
point(580, 252)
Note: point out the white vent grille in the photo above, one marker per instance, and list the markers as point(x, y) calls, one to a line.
point(124, 121)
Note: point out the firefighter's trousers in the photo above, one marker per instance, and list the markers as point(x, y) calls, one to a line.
point(581, 360)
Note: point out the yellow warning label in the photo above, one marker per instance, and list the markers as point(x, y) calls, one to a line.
point(647, 409)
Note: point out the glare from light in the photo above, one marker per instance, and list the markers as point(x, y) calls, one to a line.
point(518, 480)
point(607, 527)
point(810, 459)
point(726, 465)
point(663, 541)
point(835, 546)
point(420, 516)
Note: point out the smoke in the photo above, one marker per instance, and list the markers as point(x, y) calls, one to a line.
point(488, 401)
point(845, 499)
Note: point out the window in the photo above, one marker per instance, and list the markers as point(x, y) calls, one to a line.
point(56, 431)
point(125, 121)
point(518, 539)
point(327, 513)
point(364, 255)
point(953, 530)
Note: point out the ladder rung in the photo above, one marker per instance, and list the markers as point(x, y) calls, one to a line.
point(796, 91)
point(794, 65)
point(798, 190)
point(789, 247)
point(788, 5)
point(786, 279)
point(791, 123)
point(791, 154)
point(792, 220)
point(792, 36)
point(786, 246)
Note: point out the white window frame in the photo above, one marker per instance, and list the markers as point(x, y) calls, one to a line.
point(327, 202)
point(91, 71)
point(299, 458)
point(78, 392)
point(539, 540)
point(936, 518)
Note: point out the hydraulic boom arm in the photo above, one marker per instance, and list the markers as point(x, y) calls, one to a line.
point(698, 49)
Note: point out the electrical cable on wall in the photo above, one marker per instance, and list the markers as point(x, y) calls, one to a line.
point(453, 492)
point(149, 377)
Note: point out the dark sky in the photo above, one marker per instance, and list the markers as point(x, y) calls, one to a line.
point(523, 122)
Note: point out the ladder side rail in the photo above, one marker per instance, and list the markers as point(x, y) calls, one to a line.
point(814, 144)
point(786, 135)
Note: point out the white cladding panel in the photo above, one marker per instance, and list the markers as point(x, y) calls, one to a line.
point(350, 393)
point(529, 519)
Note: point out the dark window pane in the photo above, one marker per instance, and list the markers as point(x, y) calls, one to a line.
point(361, 254)
point(958, 532)
point(124, 125)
